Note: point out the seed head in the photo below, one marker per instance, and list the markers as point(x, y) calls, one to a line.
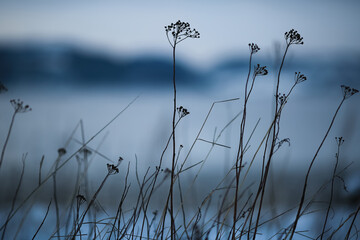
point(339, 140)
point(253, 48)
point(19, 106)
point(80, 199)
point(179, 31)
point(348, 91)
point(261, 71)
point(112, 169)
point(182, 111)
point(293, 37)
point(281, 99)
point(61, 152)
point(299, 78)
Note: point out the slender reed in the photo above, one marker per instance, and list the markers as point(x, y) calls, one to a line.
point(15, 195)
point(352, 223)
point(345, 221)
point(339, 142)
point(291, 37)
point(112, 169)
point(67, 160)
point(347, 92)
point(259, 71)
point(19, 107)
point(61, 152)
point(179, 32)
point(42, 223)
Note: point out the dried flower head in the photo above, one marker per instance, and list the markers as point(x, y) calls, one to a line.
point(80, 199)
point(19, 106)
point(182, 111)
point(112, 169)
point(348, 91)
point(179, 32)
point(299, 78)
point(2, 88)
point(61, 152)
point(261, 71)
point(293, 37)
point(339, 140)
point(253, 48)
point(282, 99)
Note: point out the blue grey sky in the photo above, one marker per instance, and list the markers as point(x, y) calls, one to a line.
point(226, 27)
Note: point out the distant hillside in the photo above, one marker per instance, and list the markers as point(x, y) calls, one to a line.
point(35, 64)
point(59, 64)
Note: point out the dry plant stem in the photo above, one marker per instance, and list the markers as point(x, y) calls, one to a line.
point(202, 127)
point(7, 138)
point(267, 167)
point(311, 200)
point(15, 196)
point(46, 214)
point(345, 221)
point(85, 174)
point(255, 154)
point(352, 223)
point(56, 200)
point(208, 198)
point(73, 196)
point(80, 176)
point(228, 173)
point(182, 208)
point(89, 205)
point(40, 168)
point(273, 142)
point(159, 167)
point(173, 153)
point(309, 169)
point(240, 152)
point(141, 198)
point(197, 138)
point(66, 161)
point(331, 192)
point(123, 197)
point(22, 221)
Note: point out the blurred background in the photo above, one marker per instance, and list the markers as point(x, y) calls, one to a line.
point(86, 60)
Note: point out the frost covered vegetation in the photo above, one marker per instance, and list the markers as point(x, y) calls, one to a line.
point(234, 209)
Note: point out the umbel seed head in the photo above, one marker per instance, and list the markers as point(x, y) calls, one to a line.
point(80, 199)
point(299, 78)
point(19, 106)
point(260, 70)
point(61, 152)
point(254, 48)
point(348, 91)
point(339, 140)
point(112, 169)
point(293, 37)
point(182, 111)
point(180, 31)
